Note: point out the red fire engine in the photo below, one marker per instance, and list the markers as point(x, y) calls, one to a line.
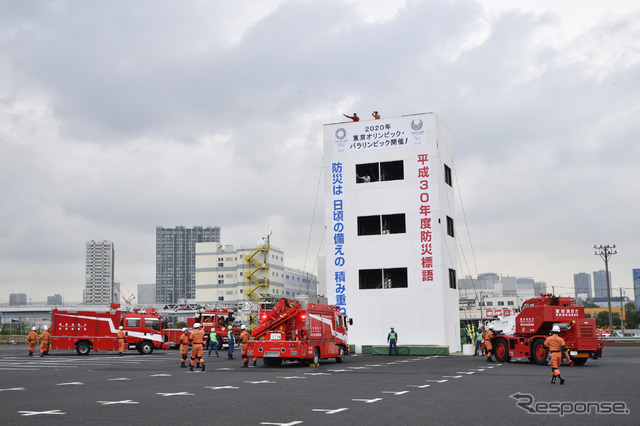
point(525, 338)
point(300, 331)
point(218, 320)
point(84, 330)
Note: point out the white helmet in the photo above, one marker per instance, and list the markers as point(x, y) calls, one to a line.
point(490, 326)
point(33, 328)
point(45, 327)
point(120, 328)
point(243, 327)
point(555, 329)
point(196, 325)
point(184, 329)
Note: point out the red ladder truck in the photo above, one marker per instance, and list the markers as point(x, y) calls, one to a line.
point(217, 321)
point(300, 331)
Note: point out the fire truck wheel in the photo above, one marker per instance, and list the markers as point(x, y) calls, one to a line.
point(83, 347)
point(145, 348)
point(341, 355)
point(502, 350)
point(539, 352)
point(579, 361)
point(316, 356)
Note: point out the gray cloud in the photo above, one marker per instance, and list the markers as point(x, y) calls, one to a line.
point(118, 117)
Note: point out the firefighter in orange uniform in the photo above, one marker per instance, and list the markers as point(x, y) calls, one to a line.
point(32, 338)
point(184, 347)
point(244, 338)
point(488, 344)
point(557, 346)
point(121, 337)
point(196, 338)
point(45, 341)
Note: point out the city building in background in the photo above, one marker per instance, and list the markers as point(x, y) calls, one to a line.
point(99, 272)
point(487, 291)
point(600, 283)
point(16, 299)
point(582, 286)
point(146, 294)
point(55, 300)
point(636, 287)
point(230, 275)
point(390, 245)
point(176, 261)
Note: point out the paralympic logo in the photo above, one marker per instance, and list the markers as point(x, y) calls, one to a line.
point(527, 403)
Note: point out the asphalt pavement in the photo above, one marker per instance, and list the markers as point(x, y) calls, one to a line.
point(104, 388)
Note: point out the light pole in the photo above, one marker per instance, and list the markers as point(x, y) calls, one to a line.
point(605, 252)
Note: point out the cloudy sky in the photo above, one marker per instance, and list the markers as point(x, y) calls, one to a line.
point(119, 116)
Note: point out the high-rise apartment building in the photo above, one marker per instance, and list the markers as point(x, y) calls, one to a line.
point(600, 283)
point(636, 287)
point(391, 251)
point(176, 261)
point(582, 285)
point(99, 272)
point(146, 294)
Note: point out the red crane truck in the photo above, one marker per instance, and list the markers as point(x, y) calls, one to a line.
point(217, 320)
point(300, 331)
point(533, 325)
point(84, 330)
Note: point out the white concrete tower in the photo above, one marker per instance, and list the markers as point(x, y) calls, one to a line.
point(391, 251)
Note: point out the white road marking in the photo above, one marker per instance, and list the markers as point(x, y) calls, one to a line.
point(338, 371)
point(69, 383)
point(290, 377)
point(258, 382)
point(175, 393)
point(453, 377)
point(12, 389)
point(119, 378)
point(221, 387)
point(337, 410)
point(35, 413)
point(318, 374)
point(160, 375)
point(465, 372)
point(126, 401)
point(368, 401)
point(296, 422)
point(419, 386)
point(438, 381)
point(396, 392)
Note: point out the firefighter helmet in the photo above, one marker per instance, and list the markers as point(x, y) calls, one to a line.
point(555, 329)
point(196, 325)
point(184, 329)
point(120, 328)
point(490, 326)
point(243, 327)
point(45, 327)
point(33, 328)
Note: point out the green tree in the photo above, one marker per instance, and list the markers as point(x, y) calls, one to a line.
point(631, 316)
point(602, 320)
